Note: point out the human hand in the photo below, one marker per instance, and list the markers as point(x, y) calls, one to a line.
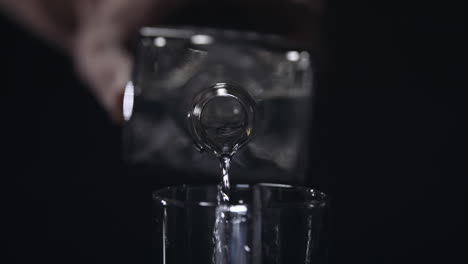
point(94, 33)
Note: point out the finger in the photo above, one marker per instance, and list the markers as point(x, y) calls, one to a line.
point(106, 69)
point(99, 54)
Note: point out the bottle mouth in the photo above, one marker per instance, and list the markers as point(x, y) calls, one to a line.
point(221, 118)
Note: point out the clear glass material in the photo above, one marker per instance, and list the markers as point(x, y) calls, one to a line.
point(264, 223)
point(186, 80)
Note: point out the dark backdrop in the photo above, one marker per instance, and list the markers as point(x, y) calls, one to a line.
point(388, 146)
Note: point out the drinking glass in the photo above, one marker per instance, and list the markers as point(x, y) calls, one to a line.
point(263, 223)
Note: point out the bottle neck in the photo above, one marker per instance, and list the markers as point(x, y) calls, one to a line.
point(222, 118)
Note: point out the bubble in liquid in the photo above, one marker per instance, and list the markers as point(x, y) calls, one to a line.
point(247, 248)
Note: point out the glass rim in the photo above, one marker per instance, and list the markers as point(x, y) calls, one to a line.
point(319, 196)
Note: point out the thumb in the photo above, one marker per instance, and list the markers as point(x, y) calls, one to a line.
point(100, 58)
point(99, 54)
point(105, 66)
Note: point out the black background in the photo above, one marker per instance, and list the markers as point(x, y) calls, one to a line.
point(388, 146)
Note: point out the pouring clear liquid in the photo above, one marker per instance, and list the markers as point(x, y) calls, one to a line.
point(221, 121)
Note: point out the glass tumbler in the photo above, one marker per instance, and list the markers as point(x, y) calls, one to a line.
point(263, 223)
